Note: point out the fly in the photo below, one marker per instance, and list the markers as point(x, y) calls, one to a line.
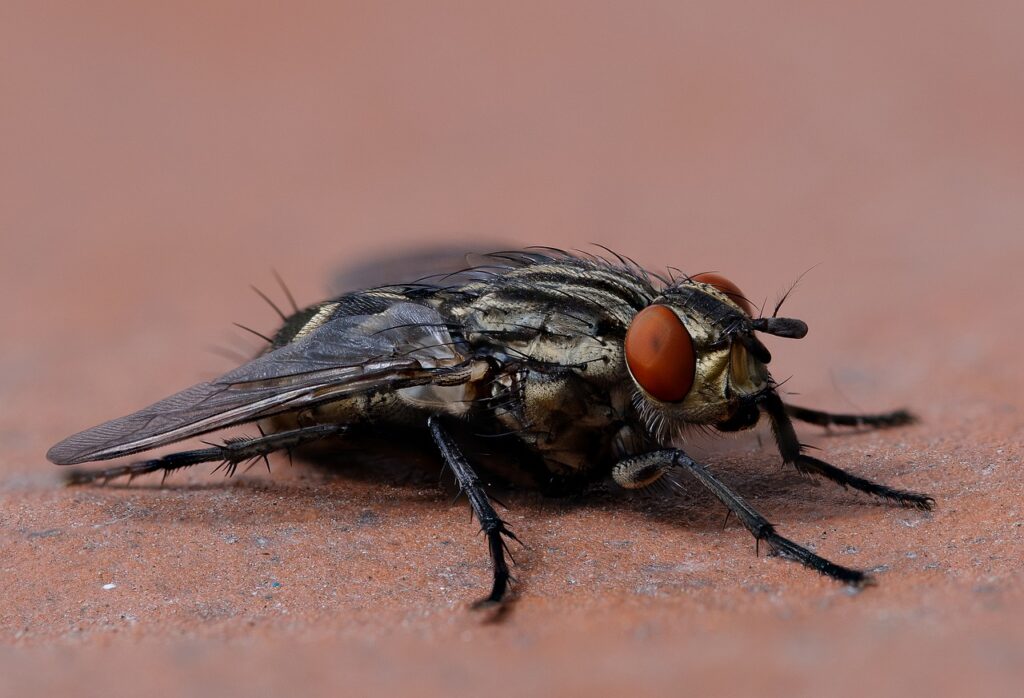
point(596, 369)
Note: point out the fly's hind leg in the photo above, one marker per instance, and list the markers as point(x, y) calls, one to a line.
point(882, 420)
point(638, 469)
point(490, 523)
point(229, 454)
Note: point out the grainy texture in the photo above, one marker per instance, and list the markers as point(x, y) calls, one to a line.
point(156, 159)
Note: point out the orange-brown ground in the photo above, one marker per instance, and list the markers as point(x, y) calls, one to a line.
point(155, 160)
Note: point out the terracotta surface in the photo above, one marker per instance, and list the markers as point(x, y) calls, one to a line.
point(157, 159)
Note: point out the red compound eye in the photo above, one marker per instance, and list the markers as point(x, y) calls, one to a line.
point(659, 353)
point(728, 288)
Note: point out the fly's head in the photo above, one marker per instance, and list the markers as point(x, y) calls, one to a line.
point(695, 359)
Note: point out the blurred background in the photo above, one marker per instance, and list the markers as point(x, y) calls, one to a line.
point(157, 158)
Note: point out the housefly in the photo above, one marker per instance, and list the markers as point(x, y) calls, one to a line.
point(593, 367)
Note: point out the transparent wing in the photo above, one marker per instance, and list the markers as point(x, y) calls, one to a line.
point(404, 345)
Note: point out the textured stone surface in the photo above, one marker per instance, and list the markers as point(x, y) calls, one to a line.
point(155, 160)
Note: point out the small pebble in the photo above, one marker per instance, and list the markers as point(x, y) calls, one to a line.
point(109, 586)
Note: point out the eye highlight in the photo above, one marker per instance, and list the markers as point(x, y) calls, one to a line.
point(659, 353)
point(728, 288)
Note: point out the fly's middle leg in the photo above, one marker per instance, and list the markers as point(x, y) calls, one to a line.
point(230, 454)
point(490, 523)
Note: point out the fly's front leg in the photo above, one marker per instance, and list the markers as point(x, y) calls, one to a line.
point(230, 454)
point(882, 420)
point(792, 452)
point(638, 470)
point(490, 523)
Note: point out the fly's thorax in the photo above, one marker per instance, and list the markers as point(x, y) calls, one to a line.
point(566, 314)
point(580, 340)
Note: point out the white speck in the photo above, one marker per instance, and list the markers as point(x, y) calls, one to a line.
point(109, 586)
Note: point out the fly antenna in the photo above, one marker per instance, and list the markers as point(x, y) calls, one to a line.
point(790, 328)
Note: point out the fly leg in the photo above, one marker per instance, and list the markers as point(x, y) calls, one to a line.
point(490, 523)
point(871, 421)
point(230, 454)
point(792, 452)
point(656, 463)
